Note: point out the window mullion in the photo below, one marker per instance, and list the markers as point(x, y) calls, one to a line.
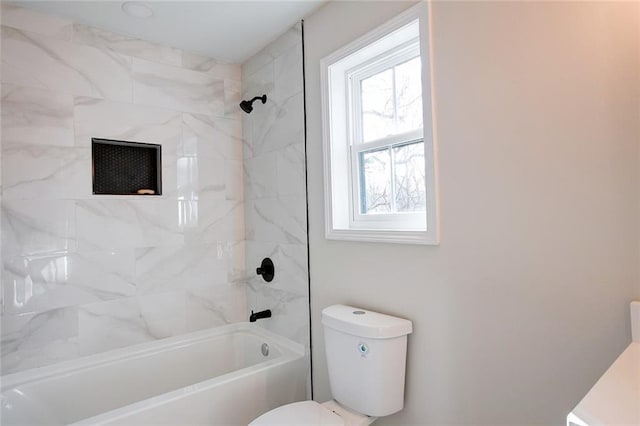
point(392, 177)
point(395, 105)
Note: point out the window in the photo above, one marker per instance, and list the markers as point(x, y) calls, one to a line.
point(379, 157)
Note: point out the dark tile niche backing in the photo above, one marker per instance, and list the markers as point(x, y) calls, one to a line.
point(124, 168)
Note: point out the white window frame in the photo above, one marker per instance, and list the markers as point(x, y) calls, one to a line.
point(342, 138)
point(357, 220)
point(394, 221)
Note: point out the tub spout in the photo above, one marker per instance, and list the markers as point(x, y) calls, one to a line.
point(259, 315)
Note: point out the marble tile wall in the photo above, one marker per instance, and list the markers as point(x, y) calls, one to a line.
point(83, 274)
point(275, 185)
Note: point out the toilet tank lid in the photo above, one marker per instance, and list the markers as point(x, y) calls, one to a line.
point(364, 323)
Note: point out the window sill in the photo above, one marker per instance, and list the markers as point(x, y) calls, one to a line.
point(377, 236)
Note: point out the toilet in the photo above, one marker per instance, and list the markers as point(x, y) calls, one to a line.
point(366, 357)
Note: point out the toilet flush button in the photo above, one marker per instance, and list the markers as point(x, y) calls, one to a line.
point(363, 348)
point(359, 312)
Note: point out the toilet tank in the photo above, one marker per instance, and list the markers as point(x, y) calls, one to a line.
point(366, 358)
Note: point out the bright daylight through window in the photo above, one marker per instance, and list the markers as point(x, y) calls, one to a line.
point(378, 138)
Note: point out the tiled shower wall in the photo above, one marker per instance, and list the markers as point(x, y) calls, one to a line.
point(83, 273)
point(275, 185)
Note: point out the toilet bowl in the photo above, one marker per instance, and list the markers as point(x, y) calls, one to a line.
point(328, 413)
point(366, 358)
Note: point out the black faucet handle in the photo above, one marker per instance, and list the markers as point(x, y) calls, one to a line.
point(266, 269)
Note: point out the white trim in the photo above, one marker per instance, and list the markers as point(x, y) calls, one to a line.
point(397, 139)
point(374, 236)
point(392, 140)
point(429, 127)
point(336, 132)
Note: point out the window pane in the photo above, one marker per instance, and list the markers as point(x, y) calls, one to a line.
point(377, 106)
point(392, 101)
point(410, 177)
point(409, 95)
point(375, 181)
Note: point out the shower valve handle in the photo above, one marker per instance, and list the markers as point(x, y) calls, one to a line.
point(266, 269)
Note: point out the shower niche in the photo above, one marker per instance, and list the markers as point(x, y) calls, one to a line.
point(126, 168)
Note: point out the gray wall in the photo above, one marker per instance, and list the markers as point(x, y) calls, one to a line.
point(525, 302)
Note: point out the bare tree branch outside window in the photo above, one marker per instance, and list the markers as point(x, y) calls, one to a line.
point(393, 178)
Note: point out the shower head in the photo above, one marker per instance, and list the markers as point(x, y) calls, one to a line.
point(247, 106)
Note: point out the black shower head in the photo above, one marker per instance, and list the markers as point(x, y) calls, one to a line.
point(247, 106)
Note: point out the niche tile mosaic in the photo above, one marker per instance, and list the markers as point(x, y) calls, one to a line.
point(126, 168)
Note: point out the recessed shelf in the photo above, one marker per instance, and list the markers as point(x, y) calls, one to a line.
point(126, 168)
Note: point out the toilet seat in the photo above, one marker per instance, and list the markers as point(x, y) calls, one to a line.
point(298, 414)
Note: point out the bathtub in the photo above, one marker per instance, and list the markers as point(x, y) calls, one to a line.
point(227, 375)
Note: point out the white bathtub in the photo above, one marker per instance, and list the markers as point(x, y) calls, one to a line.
point(216, 377)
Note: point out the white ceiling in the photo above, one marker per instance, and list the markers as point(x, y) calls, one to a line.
point(228, 30)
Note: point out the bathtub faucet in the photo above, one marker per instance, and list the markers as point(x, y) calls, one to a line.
point(259, 315)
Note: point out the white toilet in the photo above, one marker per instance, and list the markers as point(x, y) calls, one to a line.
point(366, 357)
